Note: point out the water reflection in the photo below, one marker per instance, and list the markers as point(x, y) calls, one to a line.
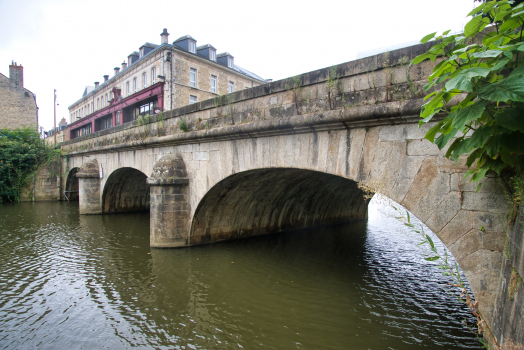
point(71, 281)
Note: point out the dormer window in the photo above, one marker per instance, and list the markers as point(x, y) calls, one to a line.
point(230, 62)
point(141, 52)
point(212, 55)
point(192, 46)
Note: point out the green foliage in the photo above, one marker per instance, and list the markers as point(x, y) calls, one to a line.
point(333, 84)
point(22, 152)
point(183, 126)
point(488, 124)
point(294, 84)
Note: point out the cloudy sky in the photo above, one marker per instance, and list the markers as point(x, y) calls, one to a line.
point(67, 45)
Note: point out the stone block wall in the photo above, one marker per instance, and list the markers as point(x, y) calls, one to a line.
point(17, 106)
point(44, 185)
point(508, 321)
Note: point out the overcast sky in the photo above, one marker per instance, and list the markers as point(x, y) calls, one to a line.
point(67, 45)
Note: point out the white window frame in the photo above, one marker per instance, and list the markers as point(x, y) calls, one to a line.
point(192, 99)
point(192, 74)
point(230, 62)
point(231, 87)
point(134, 84)
point(213, 86)
point(144, 79)
point(141, 52)
point(153, 76)
point(107, 101)
point(192, 46)
point(97, 104)
point(212, 55)
point(127, 88)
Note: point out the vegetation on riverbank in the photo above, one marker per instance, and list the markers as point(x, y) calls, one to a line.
point(22, 153)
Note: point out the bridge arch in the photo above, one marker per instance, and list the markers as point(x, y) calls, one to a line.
point(71, 187)
point(258, 201)
point(125, 190)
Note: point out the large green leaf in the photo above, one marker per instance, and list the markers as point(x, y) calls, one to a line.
point(443, 139)
point(427, 38)
point(509, 89)
point(462, 81)
point(469, 113)
point(486, 54)
point(475, 25)
point(512, 119)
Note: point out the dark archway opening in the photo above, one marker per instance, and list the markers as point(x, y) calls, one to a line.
point(275, 200)
point(126, 190)
point(71, 188)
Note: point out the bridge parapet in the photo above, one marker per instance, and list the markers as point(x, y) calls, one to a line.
point(376, 90)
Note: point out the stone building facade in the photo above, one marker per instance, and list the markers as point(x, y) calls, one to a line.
point(17, 104)
point(156, 78)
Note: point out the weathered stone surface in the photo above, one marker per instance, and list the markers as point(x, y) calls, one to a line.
point(446, 211)
point(427, 191)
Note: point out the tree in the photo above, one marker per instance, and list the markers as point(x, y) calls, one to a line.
point(485, 64)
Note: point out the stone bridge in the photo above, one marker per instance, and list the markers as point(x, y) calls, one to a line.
point(289, 155)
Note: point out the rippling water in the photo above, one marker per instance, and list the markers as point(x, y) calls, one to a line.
point(91, 282)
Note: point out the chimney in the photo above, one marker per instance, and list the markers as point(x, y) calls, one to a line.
point(164, 35)
point(117, 70)
point(96, 84)
point(106, 78)
point(124, 65)
point(16, 76)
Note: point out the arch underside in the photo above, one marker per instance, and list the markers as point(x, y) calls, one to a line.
point(72, 185)
point(126, 190)
point(275, 200)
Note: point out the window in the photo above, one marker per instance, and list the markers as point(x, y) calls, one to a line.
point(117, 122)
point(107, 100)
point(212, 55)
point(213, 84)
point(153, 76)
point(134, 84)
point(127, 88)
point(231, 87)
point(192, 99)
point(144, 79)
point(192, 77)
point(92, 107)
point(97, 103)
point(141, 52)
point(192, 46)
point(230, 62)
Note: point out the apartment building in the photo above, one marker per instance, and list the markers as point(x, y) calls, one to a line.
point(155, 78)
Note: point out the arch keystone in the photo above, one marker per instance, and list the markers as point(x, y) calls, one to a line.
point(170, 210)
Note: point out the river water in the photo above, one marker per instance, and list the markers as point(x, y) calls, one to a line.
point(91, 282)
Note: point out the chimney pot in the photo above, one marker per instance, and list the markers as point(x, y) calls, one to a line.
point(124, 65)
point(117, 70)
point(96, 84)
point(164, 35)
point(106, 78)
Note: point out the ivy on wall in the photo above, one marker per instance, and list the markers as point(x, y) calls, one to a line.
point(22, 153)
point(488, 124)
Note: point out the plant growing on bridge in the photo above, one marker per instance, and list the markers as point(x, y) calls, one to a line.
point(182, 125)
point(488, 124)
point(294, 84)
point(333, 84)
point(22, 153)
